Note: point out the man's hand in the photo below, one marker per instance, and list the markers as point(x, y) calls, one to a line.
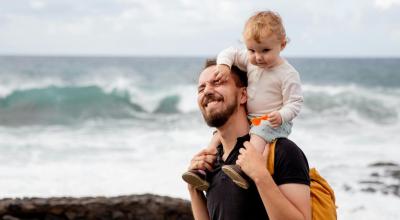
point(223, 73)
point(203, 160)
point(252, 162)
point(275, 119)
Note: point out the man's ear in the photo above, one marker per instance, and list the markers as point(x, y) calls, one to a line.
point(243, 95)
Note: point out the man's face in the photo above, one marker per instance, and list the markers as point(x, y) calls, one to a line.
point(217, 101)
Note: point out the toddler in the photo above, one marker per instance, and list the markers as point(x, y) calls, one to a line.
point(274, 89)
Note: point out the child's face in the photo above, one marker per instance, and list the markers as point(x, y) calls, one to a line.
point(266, 53)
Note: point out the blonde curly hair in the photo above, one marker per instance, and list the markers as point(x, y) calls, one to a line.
point(263, 24)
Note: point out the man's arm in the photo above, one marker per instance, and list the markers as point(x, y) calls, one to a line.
point(203, 160)
point(288, 201)
point(199, 204)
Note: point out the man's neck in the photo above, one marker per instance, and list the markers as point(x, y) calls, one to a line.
point(236, 126)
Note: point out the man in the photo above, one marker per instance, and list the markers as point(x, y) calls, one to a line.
point(284, 196)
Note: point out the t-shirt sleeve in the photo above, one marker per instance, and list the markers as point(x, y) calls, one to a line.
point(291, 165)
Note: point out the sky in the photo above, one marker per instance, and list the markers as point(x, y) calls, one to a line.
point(316, 28)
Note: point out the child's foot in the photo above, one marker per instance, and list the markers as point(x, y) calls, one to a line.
point(196, 178)
point(237, 175)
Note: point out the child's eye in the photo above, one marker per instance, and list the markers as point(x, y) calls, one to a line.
point(251, 50)
point(266, 50)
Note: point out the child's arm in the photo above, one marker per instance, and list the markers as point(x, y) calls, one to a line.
point(275, 119)
point(233, 56)
point(227, 58)
point(292, 97)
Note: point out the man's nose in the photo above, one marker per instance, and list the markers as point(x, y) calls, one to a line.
point(209, 89)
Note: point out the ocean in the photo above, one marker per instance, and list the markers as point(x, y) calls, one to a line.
point(106, 126)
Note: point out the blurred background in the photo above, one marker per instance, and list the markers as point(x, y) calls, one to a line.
point(99, 97)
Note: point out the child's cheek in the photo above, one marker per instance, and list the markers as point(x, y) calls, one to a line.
point(252, 60)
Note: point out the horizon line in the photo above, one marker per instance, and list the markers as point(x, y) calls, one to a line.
point(188, 56)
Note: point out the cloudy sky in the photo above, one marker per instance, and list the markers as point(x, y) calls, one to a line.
point(361, 28)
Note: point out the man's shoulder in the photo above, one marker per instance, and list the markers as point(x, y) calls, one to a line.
point(286, 144)
point(290, 165)
point(285, 149)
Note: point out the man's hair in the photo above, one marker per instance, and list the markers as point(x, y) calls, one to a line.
point(239, 76)
point(263, 24)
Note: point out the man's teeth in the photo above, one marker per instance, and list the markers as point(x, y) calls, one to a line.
point(211, 102)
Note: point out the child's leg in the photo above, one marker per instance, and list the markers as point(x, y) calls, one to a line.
point(258, 142)
point(212, 147)
point(197, 178)
point(215, 141)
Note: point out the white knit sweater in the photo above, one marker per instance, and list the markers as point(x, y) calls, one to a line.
point(274, 89)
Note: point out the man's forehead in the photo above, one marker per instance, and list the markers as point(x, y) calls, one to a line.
point(207, 74)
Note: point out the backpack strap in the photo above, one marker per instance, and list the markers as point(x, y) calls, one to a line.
point(271, 157)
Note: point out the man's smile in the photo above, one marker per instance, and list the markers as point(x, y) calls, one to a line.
point(211, 101)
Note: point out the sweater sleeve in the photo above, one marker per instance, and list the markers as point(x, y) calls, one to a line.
point(292, 96)
point(233, 56)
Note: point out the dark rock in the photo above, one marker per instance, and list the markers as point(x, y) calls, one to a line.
point(346, 187)
point(383, 164)
point(375, 174)
point(395, 174)
point(393, 189)
point(374, 182)
point(53, 217)
point(9, 217)
point(118, 215)
point(146, 207)
point(384, 178)
point(369, 189)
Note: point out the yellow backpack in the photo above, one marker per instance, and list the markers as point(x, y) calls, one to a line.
point(322, 196)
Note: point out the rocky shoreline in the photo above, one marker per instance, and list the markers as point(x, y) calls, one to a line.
point(384, 178)
point(137, 207)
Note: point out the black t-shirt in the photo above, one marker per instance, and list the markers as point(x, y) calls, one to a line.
point(227, 201)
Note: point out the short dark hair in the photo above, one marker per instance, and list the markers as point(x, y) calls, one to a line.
point(239, 76)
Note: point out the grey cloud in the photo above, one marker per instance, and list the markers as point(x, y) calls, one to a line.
point(189, 27)
point(62, 9)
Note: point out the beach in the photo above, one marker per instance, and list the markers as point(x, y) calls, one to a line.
point(114, 126)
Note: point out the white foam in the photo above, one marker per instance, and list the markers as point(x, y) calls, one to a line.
point(367, 206)
point(385, 94)
point(102, 158)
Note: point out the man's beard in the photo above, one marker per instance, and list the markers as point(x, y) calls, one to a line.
point(219, 118)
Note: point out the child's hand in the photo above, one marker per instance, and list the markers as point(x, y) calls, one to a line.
point(203, 160)
point(223, 73)
point(275, 119)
